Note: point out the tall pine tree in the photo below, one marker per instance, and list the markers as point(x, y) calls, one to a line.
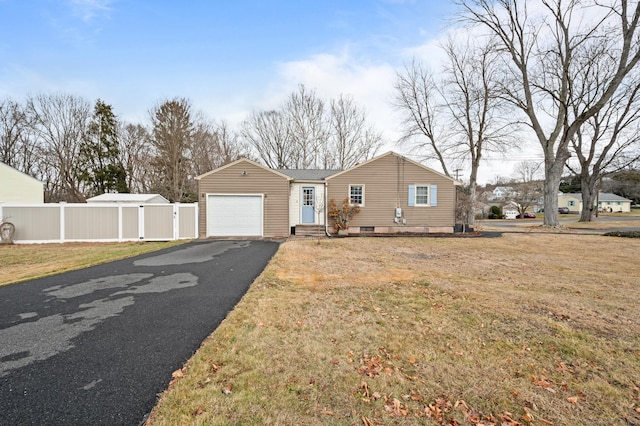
point(99, 154)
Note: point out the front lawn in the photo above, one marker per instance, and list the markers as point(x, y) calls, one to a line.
point(523, 329)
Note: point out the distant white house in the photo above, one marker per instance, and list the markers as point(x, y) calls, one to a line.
point(19, 188)
point(502, 192)
point(128, 198)
point(607, 202)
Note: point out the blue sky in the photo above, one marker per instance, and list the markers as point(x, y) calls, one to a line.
point(220, 54)
point(228, 57)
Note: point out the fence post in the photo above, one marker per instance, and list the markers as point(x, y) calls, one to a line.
point(62, 230)
point(141, 222)
point(176, 221)
point(196, 212)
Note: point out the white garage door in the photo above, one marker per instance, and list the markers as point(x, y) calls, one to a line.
point(234, 216)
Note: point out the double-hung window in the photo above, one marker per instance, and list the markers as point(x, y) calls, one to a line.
point(356, 195)
point(422, 195)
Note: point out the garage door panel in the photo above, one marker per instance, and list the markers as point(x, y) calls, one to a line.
point(234, 215)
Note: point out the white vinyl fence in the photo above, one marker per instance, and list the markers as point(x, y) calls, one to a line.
point(58, 223)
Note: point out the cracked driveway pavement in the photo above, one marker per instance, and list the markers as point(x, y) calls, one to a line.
point(96, 346)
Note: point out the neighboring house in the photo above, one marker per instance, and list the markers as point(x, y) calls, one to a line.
point(502, 192)
point(395, 194)
point(19, 188)
point(607, 202)
point(128, 198)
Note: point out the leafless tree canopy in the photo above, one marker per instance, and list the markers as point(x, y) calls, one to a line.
point(608, 142)
point(563, 62)
point(45, 137)
point(418, 99)
point(60, 124)
point(48, 135)
point(306, 134)
point(466, 100)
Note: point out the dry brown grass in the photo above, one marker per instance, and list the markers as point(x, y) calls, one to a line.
point(524, 329)
point(21, 262)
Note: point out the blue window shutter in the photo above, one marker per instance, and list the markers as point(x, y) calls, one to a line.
point(412, 196)
point(433, 196)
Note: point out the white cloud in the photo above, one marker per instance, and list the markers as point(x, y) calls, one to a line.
point(87, 10)
point(370, 84)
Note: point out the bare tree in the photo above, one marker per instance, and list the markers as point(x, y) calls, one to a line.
point(60, 122)
point(608, 142)
point(214, 145)
point(527, 171)
point(527, 188)
point(470, 105)
point(303, 134)
point(305, 114)
point(544, 50)
point(352, 138)
point(417, 97)
point(268, 133)
point(171, 138)
point(12, 125)
point(473, 100)
point(135, 156)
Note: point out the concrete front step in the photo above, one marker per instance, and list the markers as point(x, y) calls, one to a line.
point(309, 230)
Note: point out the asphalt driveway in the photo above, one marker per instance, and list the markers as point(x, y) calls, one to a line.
point(96, 346)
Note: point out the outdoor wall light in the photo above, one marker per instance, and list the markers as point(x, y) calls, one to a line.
point(244, 173)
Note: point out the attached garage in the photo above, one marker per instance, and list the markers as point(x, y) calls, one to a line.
point(237, 215)
point(243, 199)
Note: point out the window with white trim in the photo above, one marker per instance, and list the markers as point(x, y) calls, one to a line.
point(356, 195)
point(422, 195)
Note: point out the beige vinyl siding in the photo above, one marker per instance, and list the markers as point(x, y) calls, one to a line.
point(256, 180)
point(386, 183)
point(18, 187)
point(93, 223)
point(130, 228)
point(158, 222)
point(187, 225)
point(34, 223)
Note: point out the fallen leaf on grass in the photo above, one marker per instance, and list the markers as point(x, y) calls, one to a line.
point(177, 374)
point(367, 422)
point(227, 390)
point(327, 412)
point(543, 382)
point(573, 400)
point(198, 411)
point(527, 417)
point(366, 389)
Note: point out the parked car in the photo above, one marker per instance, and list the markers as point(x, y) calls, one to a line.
point(563, 210)
point(527, 215)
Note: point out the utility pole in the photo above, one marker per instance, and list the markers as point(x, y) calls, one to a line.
point(456, 171)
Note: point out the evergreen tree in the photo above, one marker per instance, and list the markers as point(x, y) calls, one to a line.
point(99, 154)
point(172, 140)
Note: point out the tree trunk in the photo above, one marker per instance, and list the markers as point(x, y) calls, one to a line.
point(589, 192)
point(553, 173)
point(473, 183)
